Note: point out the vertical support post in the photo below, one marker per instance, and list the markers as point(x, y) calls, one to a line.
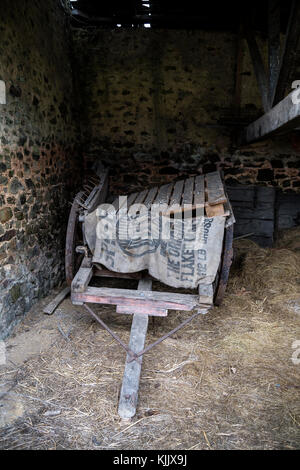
point(238, 71)
point(289, 53)
point(259, 68)
point(273, 46)
point(131, 379)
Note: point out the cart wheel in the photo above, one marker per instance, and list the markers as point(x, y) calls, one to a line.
point(73, 239)
point(227, 255)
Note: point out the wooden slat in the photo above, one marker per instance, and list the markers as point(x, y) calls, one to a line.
point(141, 197)
point(177, 193)
point(132, 372)
point(150, 197)
point(187, 197)
point(215, 189)
point(130, 310)
point(104, 272)
point(206, 293)
point(130, 199)
point(49, 309)
point(165, 300)
point(199, 195)
point(163, 194)
point(82, 279)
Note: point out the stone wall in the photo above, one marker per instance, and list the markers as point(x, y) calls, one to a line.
point(38, 152)
point(159, 105)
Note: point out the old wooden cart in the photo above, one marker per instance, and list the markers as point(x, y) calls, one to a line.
point(202, 197)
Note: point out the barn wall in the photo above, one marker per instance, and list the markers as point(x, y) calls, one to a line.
point(38, 165)
point(158, 105)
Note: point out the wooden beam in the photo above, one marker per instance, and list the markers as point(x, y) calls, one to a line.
point(82, 278)
point(238, 71)
point(282, 118)
point(273, 46)
point(289, 52)
point(258, 66)
point(132, 372)
point(127, 297)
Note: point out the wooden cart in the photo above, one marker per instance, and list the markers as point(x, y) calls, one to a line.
point(204, 192)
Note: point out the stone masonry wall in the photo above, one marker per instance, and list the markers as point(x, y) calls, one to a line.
point(38, 152)
point(160, 105)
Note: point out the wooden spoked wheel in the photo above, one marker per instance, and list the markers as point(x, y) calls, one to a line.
point(73, 239)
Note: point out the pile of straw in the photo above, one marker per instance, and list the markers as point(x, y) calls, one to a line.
point(226, 381)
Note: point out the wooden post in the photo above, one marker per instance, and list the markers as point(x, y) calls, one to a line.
point(259, 68)
point(289, 53)
point(131, 378)
point(273, 46)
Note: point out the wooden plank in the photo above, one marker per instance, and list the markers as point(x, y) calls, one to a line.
point(199, 195)
point(104, 272)
point(130, 310)
point(282, 118)
point(165, 300)
point(187, 196)
point(177, 193)
point(206, 294)
point(163, 194)
point(132, 372)
point(215, 189)
point(150, 197)
point(129, 201)
point(141, 197)
point(82, 279)
point(49, 309)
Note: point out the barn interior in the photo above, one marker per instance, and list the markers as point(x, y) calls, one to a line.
point(155, 91)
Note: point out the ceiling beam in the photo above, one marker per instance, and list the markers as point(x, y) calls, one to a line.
point(284, 117)
point(141, 19)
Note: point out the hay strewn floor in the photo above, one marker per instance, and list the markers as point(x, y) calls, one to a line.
point(227, 381)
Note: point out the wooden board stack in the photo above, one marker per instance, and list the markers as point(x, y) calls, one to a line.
point(204, 193)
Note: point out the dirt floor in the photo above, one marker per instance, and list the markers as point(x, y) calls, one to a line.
point(226, 381)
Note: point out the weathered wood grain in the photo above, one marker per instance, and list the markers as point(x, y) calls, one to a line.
point(188, 192)
point(217, 209)
point(199, 195)
point(49, 309)
point(82, 279)
point(165, 300)
point(215, 189)
point(132, 372)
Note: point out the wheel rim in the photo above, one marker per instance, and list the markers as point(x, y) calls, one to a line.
point(72, 240)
